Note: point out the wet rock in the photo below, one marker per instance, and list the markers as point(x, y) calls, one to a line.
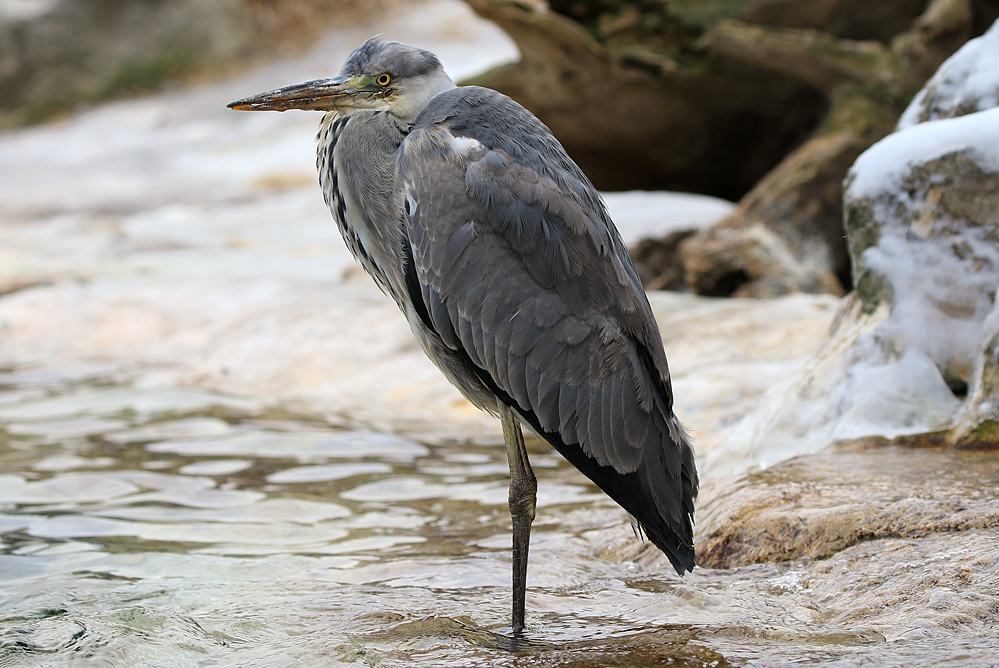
point(977, 422)
point(897, 540)
point(888, 540)
point(921, 213)
point(817, 505)
point(913, 589)
point(854, 386)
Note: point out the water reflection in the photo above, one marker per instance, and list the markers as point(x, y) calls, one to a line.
point(167, 527)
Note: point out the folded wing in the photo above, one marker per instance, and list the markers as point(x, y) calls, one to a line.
point(515, 264)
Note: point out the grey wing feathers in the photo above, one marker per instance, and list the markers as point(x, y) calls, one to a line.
point(521, 270)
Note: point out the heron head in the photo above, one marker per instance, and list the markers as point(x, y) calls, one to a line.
point(381, 76)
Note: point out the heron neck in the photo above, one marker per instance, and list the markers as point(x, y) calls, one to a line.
point(409, 106)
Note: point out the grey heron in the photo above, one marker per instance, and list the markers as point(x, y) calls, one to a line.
point(467, 211)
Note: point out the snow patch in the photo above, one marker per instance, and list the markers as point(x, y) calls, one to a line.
point(940, 301)
point(888, 161)
point(857, 385)
point(907, 396)
point(969, 79)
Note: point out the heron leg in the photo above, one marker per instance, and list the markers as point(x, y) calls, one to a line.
point(523, 498)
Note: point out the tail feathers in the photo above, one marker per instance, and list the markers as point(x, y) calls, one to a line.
point(681, 557)
point(668, 504)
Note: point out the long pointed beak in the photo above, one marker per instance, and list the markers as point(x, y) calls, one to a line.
point(319, 95)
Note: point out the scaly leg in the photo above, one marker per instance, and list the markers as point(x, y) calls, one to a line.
point(523, 498)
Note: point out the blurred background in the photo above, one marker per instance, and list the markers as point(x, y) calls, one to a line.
point(698, 96)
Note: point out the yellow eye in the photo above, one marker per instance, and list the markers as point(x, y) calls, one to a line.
point(383, 79)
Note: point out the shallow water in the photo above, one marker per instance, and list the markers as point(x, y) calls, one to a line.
point(145, 525)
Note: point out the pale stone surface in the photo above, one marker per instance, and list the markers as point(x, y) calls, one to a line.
point(884, 539)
